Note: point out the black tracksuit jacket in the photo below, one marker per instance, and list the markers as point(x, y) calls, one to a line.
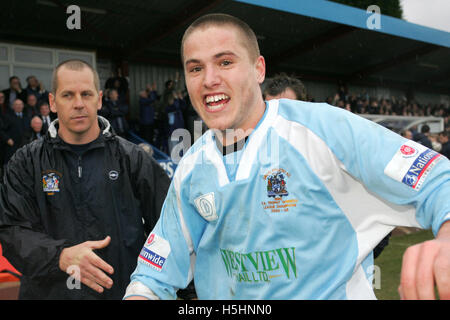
point(51, 198)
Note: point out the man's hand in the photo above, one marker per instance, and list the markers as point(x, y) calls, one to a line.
point(425, 265)
point(10, 142)
point(91, 266)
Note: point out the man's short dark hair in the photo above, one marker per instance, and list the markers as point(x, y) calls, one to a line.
point(281, 82)
point(220, 19)
point(76, 65)
point(444, 134)
point(425, 129)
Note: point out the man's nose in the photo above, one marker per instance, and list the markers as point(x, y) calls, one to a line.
point(78, 101)
point(212, 77)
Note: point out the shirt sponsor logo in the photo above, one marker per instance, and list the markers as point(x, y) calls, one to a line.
point(152, 259)
point(419, 170)
point(113, 175)
point(155, 252)
point(50, 182)
point(260, 266)
point(411, 164)
point(408, 151)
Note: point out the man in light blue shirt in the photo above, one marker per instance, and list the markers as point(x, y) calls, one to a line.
point(295, 203)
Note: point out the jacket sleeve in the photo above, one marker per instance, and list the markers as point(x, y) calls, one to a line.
point(152, 184)
point(22, 235)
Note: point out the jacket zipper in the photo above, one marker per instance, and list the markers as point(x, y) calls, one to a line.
point(80, 169)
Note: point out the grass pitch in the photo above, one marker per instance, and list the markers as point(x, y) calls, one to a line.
point(390, 262)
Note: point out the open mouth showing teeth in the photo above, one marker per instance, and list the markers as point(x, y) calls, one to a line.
point(216, 101)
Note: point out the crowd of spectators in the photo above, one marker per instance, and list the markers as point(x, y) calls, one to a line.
point(25, 113)
point(362, 103)
point(162, 114)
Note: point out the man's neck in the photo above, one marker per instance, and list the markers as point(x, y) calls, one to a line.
point(83, 138)
point(230, 136)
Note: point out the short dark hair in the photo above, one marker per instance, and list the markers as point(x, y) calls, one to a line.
point(280, 82)
point(221, 19)
point(444, 134)
point(77, 65)
point(12, 78)
point(425, 129)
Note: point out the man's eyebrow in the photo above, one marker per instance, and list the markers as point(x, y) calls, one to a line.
point(216, 56)
point(224, 53)
point(192, 61)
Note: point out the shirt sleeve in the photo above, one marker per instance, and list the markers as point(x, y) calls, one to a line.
point(394, 168)
point(167, 259)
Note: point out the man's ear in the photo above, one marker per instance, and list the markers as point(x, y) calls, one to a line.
point(100, 96)
point(51, 100)
point(260, 69)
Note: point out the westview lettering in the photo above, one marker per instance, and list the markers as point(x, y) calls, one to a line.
point(260, 265)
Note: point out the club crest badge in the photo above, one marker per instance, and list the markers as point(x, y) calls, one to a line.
point(276, 184)
point(276, 188)
point(50, 182)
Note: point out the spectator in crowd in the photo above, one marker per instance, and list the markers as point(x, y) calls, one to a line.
point(147, 148)
point(16, 128)
point(80, 201)
point(36, 129)
point(434, 139)
point(161, 118)
point(147, 101)
point(407, 134)
point(3, 140)
point(46, 115)
point(31, 107)
point(444, 140)
point(115, 111)
point(14, 92)
point(174, 109)
point(281, 85)
point(37, 88)
point(3, 106)
point(190, 117)
point(423, 137)
point(118, 82)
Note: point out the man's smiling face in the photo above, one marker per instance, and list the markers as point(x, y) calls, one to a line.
point(221, 78)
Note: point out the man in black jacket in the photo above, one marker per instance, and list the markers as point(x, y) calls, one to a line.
point(14, 92)
point(17, 129)
point(80, 201)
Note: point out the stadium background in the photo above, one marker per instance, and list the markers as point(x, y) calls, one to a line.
point(327, 45)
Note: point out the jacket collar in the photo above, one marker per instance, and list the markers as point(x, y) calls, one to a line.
point(53, 137)
point(104, 124)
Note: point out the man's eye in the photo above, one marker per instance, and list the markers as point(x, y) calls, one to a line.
point(196, 69)
point(226, 62)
